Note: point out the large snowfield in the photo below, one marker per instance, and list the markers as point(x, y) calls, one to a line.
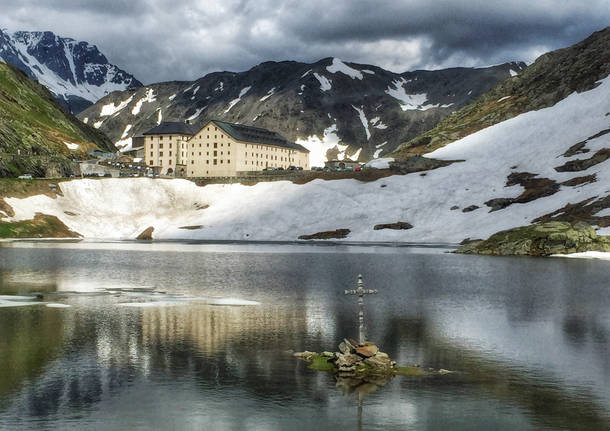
point(533, 142)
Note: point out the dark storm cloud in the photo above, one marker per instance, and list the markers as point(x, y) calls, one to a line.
point(184, 39)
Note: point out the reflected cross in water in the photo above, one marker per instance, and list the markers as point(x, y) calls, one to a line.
point(361, 291)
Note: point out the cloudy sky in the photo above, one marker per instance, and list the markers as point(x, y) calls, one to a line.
point(159, 40)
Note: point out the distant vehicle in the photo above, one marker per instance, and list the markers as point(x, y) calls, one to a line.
point(358, 169)
point(348, 168)
point(280, 169)
point(25, 177)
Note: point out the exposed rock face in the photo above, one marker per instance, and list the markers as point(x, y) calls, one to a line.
point(551, 78)
point(540, 240)
point(330, 234)
point(363, 107)
point(77, 73)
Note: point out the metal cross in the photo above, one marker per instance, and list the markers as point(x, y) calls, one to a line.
point(361, 291)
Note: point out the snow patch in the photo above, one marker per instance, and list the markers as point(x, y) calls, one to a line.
point(150, 97)
point(318, 147)
point(586, 255)
point(172, 97)
point(234, 102)
point(197, 113)
point(503, 98)
point(380, 163)
point(513, 72)
point(126, 131)
point(111, 109)
point(72, 146)
point(159, 117)
point(339, 66)
point(269, 94)
point(325, 83)
point(364, 121)
point(98, 124)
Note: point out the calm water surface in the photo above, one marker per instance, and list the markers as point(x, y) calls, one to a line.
point(153, 338)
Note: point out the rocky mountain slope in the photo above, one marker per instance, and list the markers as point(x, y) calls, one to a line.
point(77, 73)
point(551, 78)
point(345, 109)
point(520, 171)
point(37, 135)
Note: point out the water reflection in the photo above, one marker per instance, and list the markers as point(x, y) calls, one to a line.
point(526, 357)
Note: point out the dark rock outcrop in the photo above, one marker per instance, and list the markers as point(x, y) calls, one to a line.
point(330, 234)
point(418, 163)
point(535, 188)
point(399, 225)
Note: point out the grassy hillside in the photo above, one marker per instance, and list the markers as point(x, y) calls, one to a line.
point(35, 130)
point(551, 78)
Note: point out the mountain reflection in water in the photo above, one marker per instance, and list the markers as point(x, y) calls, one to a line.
point(528, 339)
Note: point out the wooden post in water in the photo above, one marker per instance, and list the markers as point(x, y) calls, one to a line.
point(361, 291)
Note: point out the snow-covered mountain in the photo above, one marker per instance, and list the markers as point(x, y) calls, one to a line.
point(77, 73)
point(548, 163)
point(331, 107)
point(504, 181)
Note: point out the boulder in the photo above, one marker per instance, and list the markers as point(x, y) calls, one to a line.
point(368, 350)
point(146, 234)
point(379, 362)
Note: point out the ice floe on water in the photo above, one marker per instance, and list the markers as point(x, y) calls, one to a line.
point(26, 301)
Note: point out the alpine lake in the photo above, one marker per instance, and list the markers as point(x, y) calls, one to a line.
point(199, 336)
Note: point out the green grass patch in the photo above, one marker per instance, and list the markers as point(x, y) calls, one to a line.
point(41, 226)
point(321, 363)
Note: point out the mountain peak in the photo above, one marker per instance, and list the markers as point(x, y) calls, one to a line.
point(77, 73)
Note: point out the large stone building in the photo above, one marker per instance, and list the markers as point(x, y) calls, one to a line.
point(165, 147)
point(219, 149)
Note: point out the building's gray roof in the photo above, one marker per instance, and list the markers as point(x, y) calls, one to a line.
point(172, 128)
point(257, 135)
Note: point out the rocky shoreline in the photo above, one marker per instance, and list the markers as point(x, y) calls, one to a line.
point(544, 239)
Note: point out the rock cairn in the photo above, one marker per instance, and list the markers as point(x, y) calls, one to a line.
point(354, 358)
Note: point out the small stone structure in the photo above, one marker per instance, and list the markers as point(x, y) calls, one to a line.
point(354, 359)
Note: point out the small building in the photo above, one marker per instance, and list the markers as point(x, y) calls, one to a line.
point(342, 164)
point(165, 146)
point(135, 152)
